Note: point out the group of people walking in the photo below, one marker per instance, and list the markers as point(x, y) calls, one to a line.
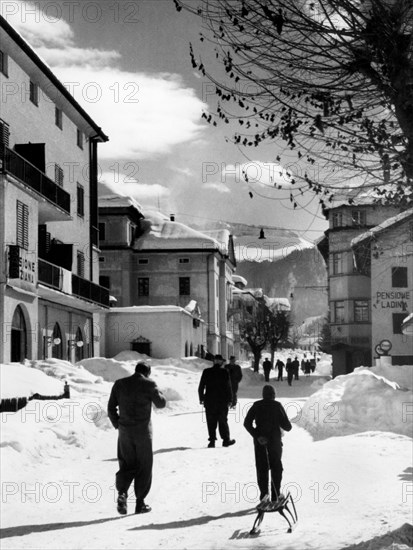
point(130, 407)
point(292, 367)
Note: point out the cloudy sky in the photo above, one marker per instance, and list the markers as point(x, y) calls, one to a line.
point(128, 65)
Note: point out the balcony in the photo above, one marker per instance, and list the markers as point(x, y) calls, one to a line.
point(13, 163)
point(57, 278)
point(90, 291)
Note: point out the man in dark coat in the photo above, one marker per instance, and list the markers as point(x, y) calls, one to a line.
point(215, 394)
point(280, 366)
point(129, 410)
point(296, 365)
point(235, 376)
point(264, 421)
point(267, 366)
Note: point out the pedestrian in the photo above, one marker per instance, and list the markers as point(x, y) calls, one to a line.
point(290, 371)
point(235, 376)
point(307, 367)
point(215, 394)
point(303, 361)
point(129, 410)
point(267, 367)
point(280, 366)
point(313, 363)
point(265, 421)
point(296, 366)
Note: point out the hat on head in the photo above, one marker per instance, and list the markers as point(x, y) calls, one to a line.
point(143, 368)
point(218, 357)
point(232, 357)
point(268, 392)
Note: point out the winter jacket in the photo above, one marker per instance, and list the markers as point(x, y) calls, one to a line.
point(215, 387)
point(269, 418)
point(130, 401)
point(235, 374)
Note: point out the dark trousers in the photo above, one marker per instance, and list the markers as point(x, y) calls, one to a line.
point(267, 375)
point(217, 415)
point(234, 388)
point(268, 458)
point(290, 375)
point(280, 374)
point(135, 459)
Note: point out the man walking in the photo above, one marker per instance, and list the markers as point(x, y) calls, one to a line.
point(267, 366)
point(264, 421)
point(280, 366)
point(215, 394)
point(129, 410)
point(235, 376)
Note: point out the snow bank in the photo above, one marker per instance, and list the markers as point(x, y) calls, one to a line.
point(402, 374)
point(17, 380)
point(358, 402)
point(109, 369)
point(324, 368)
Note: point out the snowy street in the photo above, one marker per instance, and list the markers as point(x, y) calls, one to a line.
point(58, 476)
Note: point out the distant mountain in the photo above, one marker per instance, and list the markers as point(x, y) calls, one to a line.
point(282, 264)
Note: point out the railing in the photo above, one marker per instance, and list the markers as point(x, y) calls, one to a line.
point(15, 164)
point(90, 291)
point(49, 274)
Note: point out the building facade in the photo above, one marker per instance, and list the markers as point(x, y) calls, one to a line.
point(157, 261)
point(349, 290)
point(49, 269)
point(385, 255)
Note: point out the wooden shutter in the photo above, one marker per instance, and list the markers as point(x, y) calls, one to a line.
point(22, 225)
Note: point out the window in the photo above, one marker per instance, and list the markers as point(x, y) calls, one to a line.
point(339, 312)
point(104, 280)
point(131, 233)
point(399, 277)
point(358, 218)
point(102, 259)
point(79, 139)
point(80, 200)
point(184, 260)
point(338, 263)
point(102, 231)
point(337, 219)
point(361, 311)
point(81, 264)
point(34, 93)
point(58, 175)
point(58, 117)
point(4, 63)
point(184, 286)
point(4, 133)
point(22, 225)
point(143, 261)
point(143, 286)
point(398, 319)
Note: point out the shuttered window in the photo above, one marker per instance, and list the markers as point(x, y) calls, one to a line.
point(34, 93)
point(58, 175)
point(80, 200)
point(4, 133)
point(22, 225)
point(81, 264)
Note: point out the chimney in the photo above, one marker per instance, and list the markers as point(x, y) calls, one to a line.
point(172, 217)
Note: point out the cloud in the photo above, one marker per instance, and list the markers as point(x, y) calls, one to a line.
point(124, 185)
point(143, 115)
point(217, 186)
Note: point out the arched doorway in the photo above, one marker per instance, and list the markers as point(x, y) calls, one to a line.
point(18, 336)
point(57, 342)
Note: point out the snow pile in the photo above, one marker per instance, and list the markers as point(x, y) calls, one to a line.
point(109, 369)
point(402, 374)
point(17, 380)
point(324, 367)
point(357, 402)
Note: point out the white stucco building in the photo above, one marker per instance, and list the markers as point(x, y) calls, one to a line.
point(49, 269)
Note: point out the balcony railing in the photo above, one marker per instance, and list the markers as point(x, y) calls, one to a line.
point(23, 170)
point(90, 291)
point(50, 274)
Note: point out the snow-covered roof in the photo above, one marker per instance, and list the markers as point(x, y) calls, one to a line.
point(160, 233)
point(239, 279)
point(118, 201)
point(356, 194)
point(383, 226)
